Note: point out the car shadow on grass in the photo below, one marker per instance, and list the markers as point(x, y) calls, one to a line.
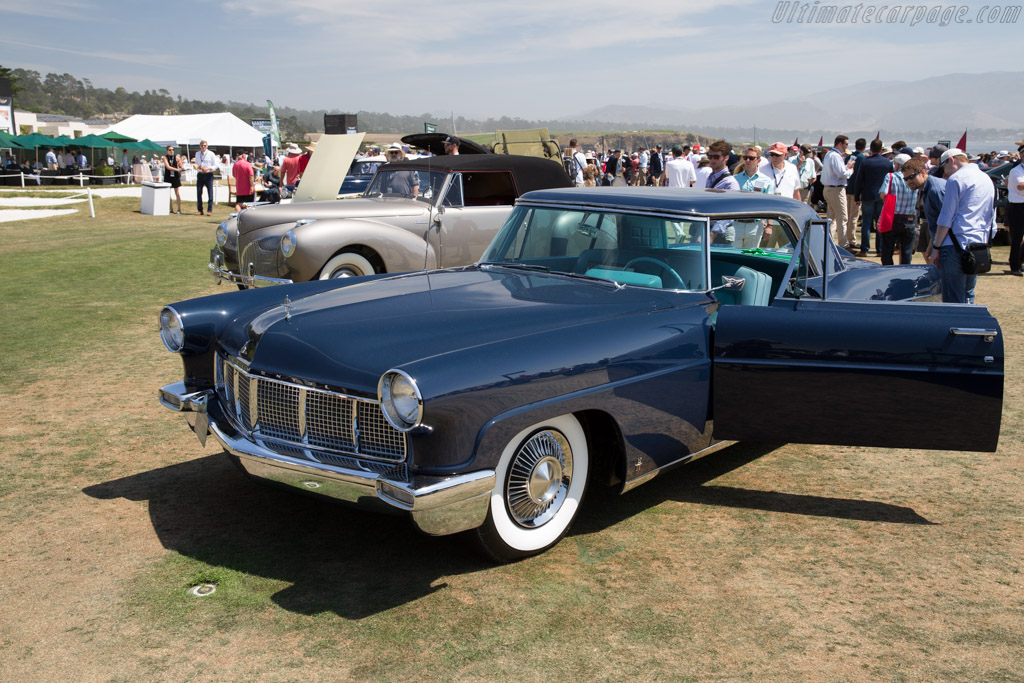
point(335, 558)
point(693, 483)
point(339, 559)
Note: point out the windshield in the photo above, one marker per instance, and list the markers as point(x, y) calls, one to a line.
point(422, 185)
point(641, 250)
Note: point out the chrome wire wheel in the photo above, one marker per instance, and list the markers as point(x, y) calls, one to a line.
point(539, 478)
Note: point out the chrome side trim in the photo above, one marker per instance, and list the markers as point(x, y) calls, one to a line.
point(690, 457)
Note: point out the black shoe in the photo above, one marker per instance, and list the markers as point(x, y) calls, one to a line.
point(1015, 272)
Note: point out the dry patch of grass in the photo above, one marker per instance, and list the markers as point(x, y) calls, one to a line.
point(761, 562)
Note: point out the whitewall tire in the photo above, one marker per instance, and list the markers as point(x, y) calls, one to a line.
point(539, 485)
point(346, 264)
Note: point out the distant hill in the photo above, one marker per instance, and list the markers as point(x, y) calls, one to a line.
point(987, 104)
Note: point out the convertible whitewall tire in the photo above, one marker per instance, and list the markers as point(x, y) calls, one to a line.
point(539, 485)
point(346, 264)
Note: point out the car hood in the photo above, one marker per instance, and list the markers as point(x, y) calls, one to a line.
point(356, 207)
point(346, 338)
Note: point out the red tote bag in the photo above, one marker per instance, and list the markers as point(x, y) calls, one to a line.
point(888, 210)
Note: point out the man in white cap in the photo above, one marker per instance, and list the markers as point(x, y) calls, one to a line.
point(1015, 211)
point(967, 216)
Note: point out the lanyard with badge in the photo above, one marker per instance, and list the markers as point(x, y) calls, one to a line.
point(776, 179)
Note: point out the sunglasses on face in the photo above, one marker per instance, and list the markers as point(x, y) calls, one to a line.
point(750, 158)
point(714, 156)
point(774, 154)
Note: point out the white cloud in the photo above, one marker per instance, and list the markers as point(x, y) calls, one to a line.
point(143, 58)
point(78, 10)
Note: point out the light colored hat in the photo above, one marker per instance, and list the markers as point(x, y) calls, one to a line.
point(951, 153)
point(919, 150)
point(292, 149)
point(777, 148)
point(395, 147)
point(311, 146)
point(901, 159)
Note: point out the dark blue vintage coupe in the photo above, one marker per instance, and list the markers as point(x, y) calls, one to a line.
point(606, 335)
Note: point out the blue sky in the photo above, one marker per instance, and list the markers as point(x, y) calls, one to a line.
point(532, 59)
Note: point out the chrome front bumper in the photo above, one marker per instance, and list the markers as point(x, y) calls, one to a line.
point(437, 505)
point(248, 280)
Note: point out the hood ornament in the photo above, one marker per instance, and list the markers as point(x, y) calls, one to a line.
point(287, 308)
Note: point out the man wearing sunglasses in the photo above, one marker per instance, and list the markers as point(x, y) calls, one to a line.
point(748, 233)
point(932, 190)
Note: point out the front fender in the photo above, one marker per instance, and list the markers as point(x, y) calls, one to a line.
point(205, 320)
point(400, 249)
point(639, 370)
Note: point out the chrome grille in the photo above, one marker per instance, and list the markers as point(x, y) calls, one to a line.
point(265, 255)
point(307, 420)
point(277, 410)
point(330, 421)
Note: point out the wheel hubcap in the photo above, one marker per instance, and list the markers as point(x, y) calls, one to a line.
point(345, 272)
point(539, 477)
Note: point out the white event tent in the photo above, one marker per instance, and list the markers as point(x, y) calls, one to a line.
point(187, 130)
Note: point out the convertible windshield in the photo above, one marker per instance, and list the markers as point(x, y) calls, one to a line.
point(423, 185)
point(647, 251)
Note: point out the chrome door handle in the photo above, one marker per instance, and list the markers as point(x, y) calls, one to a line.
point(988, 335)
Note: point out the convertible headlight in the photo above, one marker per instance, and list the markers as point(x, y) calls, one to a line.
point(172, 332)
point(400, 400)
point(222, 234)
point(288, 243)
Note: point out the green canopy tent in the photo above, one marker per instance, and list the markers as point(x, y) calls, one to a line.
point(94, 142)
point(148, 145)
point(35, 141)
point(8, 140)
point(117, 137)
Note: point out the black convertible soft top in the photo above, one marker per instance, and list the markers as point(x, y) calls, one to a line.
point(530, 173)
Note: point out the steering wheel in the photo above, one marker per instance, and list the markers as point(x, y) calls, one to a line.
point(669, 270)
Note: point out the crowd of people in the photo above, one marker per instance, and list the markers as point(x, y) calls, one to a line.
point(945, 190)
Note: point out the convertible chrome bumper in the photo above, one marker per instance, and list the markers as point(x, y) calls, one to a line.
point(437, 505)
point(248, 280)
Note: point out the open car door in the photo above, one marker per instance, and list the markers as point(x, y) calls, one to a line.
point(808, 369)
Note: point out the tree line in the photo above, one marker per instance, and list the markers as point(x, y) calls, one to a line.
point(70, 96)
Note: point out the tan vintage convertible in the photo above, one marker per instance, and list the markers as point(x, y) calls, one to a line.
point(432, 212)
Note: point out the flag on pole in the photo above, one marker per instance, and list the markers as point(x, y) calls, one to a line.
point(273, 123)
point(821, 141)
point(962, 145)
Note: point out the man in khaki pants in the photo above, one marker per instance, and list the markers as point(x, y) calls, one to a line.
point(834, 174)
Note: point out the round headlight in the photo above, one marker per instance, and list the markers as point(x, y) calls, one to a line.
point(400, 400)
point(222, 234)
point(288, 244)
point(171, 330)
